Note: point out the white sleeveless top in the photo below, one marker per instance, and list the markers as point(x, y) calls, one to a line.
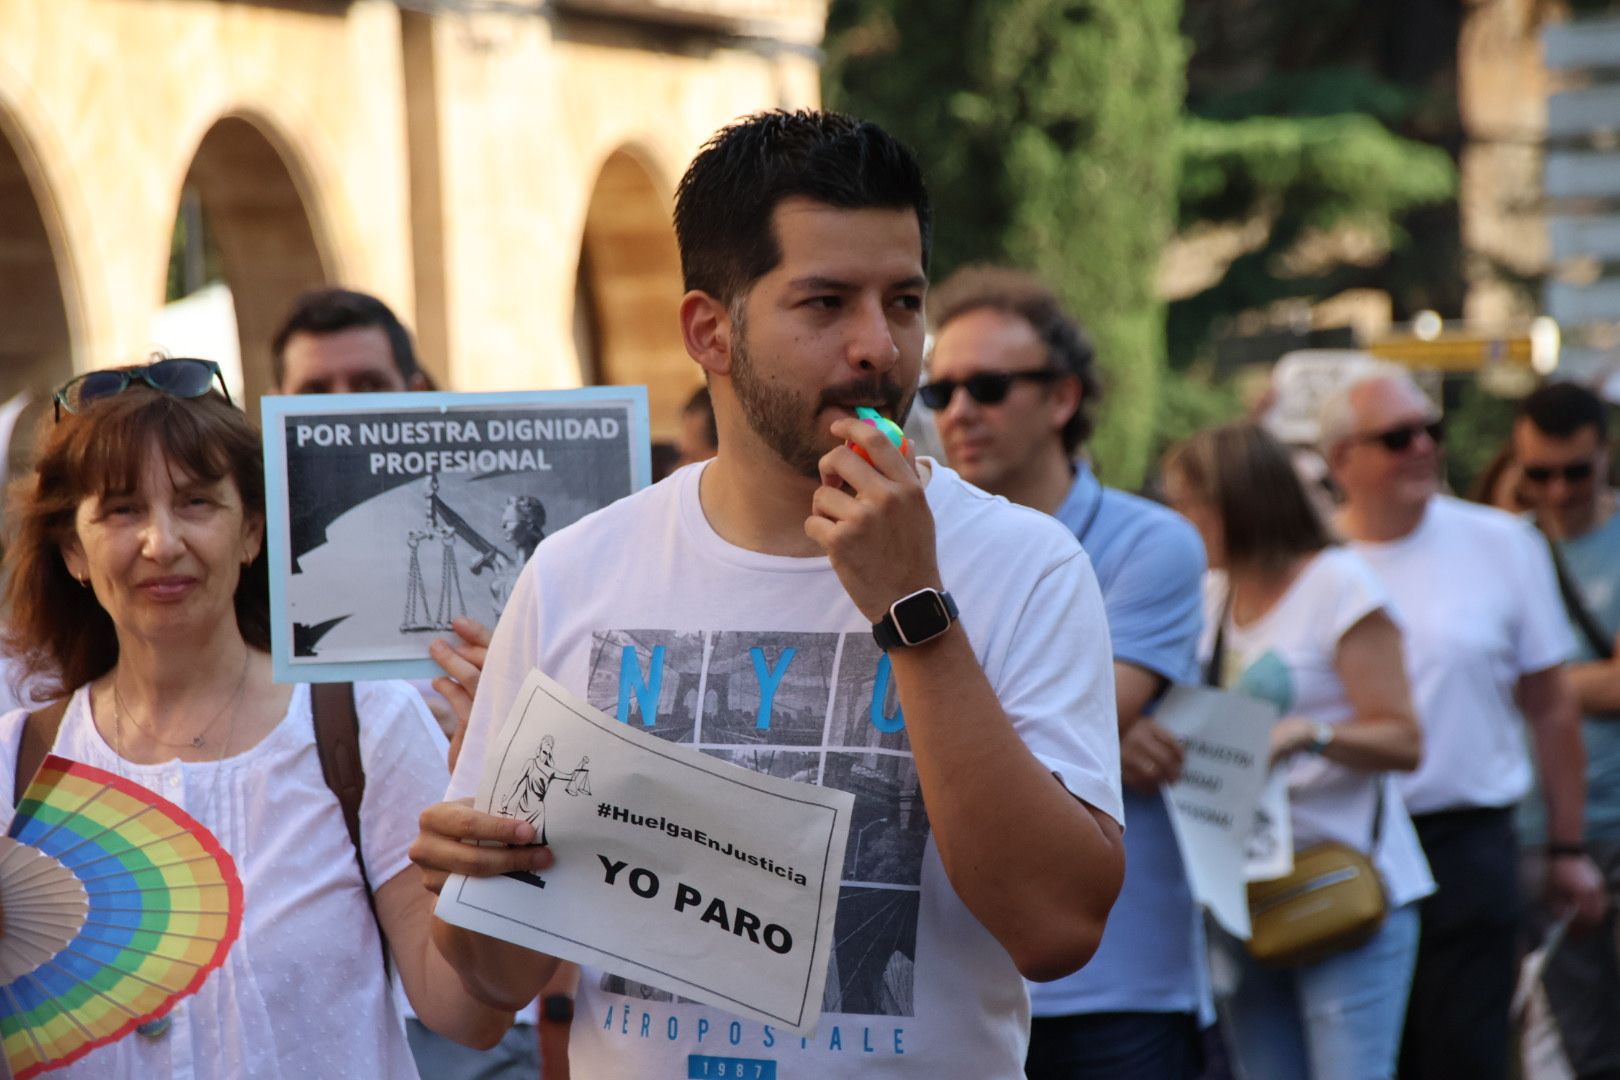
point(301, 993)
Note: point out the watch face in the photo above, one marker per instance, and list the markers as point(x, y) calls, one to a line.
point(920, 616)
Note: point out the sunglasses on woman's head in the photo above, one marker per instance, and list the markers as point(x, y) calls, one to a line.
point(987, 387)
point(181, 377)
point(1573, 473)
point(1397, 439)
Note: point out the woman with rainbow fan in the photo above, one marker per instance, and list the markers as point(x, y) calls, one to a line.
point(138, 592)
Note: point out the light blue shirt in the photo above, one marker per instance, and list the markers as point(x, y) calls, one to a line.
point(1593, 561)
point(1150, 565)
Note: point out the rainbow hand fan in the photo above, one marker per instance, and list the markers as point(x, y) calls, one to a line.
point(116, 904)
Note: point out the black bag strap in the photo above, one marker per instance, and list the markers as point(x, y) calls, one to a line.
point(1575, 604)
point(38, 736)
point(1217, 652)
point(1379, 780)
point(337, 741)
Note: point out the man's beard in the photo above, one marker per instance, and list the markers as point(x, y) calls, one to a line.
point(789, 424)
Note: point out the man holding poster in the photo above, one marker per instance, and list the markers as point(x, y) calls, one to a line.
point(860, 621)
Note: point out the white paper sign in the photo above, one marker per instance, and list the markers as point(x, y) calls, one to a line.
point(1227, 739)
point(674, 869)
point(1269, 850)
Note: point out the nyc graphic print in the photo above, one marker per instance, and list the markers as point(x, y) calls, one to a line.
point(813, 707)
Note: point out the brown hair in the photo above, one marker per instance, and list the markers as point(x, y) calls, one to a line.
point(1266, 516)
point(1483, 490)
point(1013, 292)
point(57, 628)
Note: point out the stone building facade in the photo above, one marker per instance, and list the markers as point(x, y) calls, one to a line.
point(499, 171)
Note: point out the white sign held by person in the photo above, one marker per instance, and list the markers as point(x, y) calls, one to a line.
point(674, 869)
point(1227, 739)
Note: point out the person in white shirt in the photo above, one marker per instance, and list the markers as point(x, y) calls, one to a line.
point(1486, 641)
point(776, 576)
point(138, 597)
point(1297, 620)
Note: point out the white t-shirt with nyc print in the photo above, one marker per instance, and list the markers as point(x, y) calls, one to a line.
point(764, 661)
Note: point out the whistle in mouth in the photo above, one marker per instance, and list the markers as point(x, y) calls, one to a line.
point(890, 429)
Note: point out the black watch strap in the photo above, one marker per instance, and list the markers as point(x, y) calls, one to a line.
point(888, 634)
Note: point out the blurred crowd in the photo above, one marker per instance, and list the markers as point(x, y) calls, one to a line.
point(1443, 670)
point(1445, 674)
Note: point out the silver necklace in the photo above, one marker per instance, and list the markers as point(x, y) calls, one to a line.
point(197, 741)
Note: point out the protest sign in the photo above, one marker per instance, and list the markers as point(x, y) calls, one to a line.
point(390, 514)
point(1227, 739)
point(674, 869)
point(1269, 850)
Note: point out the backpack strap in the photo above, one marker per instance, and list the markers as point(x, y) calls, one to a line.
point(1575, 604)
point(337, 742)
point(38, 736)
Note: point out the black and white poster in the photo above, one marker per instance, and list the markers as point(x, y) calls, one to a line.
point(684, 875)
point(389, 515)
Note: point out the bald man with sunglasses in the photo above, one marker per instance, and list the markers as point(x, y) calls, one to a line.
point(1486, 642)
point(1014, 392)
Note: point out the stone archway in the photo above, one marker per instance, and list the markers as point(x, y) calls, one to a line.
point(628, 293)
point(37, 328)
point(271, 246)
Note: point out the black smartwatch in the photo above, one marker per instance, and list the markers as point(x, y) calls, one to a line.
point(558, 1008)
point(914, 619)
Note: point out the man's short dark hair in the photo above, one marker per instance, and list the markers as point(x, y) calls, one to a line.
point(328, 311)
point(1014, 292)
point(725, 201)
point(1560, 409)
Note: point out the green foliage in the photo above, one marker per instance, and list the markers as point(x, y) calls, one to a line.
point(1190, 401)
point(1478, 422)
point(1304, 175)
point(1046, 128)
point(1308, 119)
point(1328, 90)
point(1316, 172)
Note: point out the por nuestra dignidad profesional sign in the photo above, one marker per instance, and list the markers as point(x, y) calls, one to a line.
point(389, 515)
point(673, 868)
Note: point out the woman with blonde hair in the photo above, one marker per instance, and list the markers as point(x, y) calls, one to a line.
point(1295, 619)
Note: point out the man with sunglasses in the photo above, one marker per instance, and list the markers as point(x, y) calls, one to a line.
point(1485, 645)
point(1014, 391)
point(1560, 441)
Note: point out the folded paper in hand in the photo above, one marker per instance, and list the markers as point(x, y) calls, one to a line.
point(673, 868)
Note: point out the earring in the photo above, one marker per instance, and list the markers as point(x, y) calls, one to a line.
point(84, 582)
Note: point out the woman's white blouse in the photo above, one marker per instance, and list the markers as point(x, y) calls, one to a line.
point(1288, 658)
point(302, 992)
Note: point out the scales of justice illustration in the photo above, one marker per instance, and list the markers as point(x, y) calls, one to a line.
point(443, 527)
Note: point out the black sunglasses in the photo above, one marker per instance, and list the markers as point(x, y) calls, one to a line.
point(987, 387)
point(1397, 439)
point(1573, 474)
point(181, 377)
